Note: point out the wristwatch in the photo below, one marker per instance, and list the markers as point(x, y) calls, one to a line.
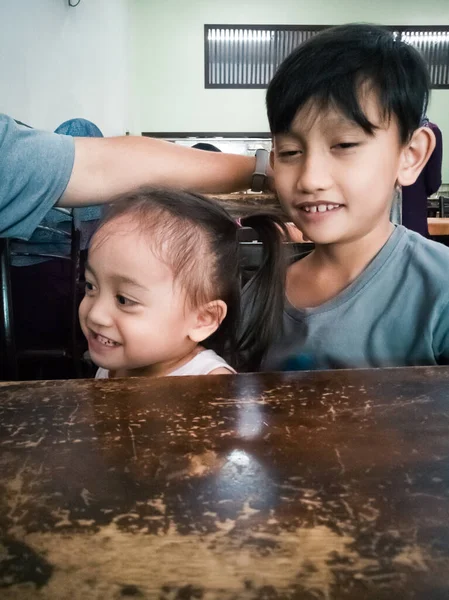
point(260, 174)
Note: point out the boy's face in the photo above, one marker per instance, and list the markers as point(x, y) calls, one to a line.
point(335, 181)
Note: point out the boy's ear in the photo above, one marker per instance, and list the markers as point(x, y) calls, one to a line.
point(207, 320)
point(272, 159)
point(415, 155)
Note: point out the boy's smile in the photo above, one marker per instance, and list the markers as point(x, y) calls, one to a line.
point(321, 207)
point(316, 211)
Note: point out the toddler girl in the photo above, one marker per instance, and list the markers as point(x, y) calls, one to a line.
point(163, 288)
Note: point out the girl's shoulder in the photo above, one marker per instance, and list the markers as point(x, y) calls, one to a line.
point(102, 373)
point(204, 363)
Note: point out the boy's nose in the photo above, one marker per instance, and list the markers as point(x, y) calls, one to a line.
point(315, 174)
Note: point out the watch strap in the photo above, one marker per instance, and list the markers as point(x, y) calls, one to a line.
point(260, 174)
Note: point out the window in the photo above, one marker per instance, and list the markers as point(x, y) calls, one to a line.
point(247, 56)
point(433, 43)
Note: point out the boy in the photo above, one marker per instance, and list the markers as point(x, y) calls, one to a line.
point(345, 111)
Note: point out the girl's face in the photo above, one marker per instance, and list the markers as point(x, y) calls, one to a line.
point(134, 315)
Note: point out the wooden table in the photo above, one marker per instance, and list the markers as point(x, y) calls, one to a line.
point(438, 226)
point(330, 485)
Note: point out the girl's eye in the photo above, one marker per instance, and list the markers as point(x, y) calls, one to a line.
point(123, 301)
point(88, 287)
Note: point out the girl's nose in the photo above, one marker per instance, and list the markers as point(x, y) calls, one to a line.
point(100, 313)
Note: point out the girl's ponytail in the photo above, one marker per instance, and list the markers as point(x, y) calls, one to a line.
point(263, 296)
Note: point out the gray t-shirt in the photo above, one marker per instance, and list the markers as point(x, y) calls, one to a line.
point(395, 313)
point(35, 168)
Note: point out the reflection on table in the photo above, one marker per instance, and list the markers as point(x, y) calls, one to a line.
point(308, 485)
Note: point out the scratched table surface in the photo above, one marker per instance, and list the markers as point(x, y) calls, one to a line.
point(330, 485)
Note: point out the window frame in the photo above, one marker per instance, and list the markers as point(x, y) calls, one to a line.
point(306, 28)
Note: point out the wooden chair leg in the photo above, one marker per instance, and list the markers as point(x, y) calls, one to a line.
point(75, 275)
point(442, 207)
point(9, 366)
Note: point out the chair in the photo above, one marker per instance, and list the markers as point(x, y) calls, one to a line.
point(438, 207)
point(251, 255)
point(11, 356)
point(8, 365)
point(444, 206)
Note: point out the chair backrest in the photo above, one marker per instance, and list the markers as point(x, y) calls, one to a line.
point(33, 250)
point(438, 207)
point(8, 365)
point(444, 206)
point(251, 255)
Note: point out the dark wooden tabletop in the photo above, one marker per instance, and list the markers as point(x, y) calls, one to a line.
point(331, 485)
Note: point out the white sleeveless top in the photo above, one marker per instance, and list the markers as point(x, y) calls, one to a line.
point(201, 364)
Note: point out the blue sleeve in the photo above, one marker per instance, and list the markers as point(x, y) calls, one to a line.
point(35, 168)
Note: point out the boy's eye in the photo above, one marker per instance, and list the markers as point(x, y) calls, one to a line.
point(88, 287)
point(346, 145)
point(123, 301)
point(288, 153)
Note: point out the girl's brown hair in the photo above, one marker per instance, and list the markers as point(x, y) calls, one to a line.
point(198, 239)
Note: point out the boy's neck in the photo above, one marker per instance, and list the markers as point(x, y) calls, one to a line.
point(351, 258)
point(331, 268)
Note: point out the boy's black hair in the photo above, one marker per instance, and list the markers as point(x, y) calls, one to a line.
point(332, 66)
point(198, 239)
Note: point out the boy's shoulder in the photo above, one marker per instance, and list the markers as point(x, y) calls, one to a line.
point(424, 250)
point(426, 258)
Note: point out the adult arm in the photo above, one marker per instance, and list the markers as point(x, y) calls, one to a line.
point(105, 167)
point(39, 169)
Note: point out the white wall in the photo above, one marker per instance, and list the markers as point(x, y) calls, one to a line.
point(168, 62)
point(58, 62)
